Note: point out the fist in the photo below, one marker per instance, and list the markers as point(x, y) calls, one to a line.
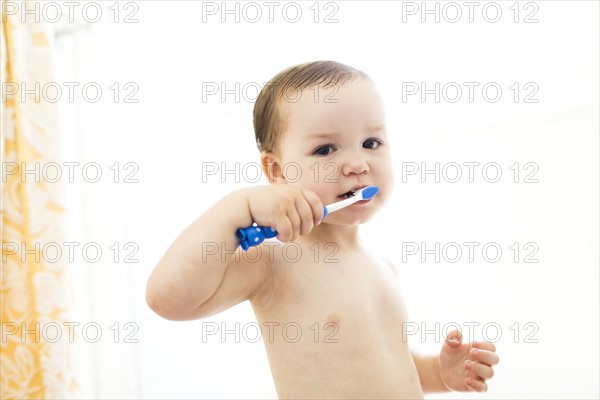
point(289, 210)
point(466, 367)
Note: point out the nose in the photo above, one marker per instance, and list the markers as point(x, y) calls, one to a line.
point(355, 163)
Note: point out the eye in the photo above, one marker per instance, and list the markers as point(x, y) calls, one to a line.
point(324, 150)
point(372, 143)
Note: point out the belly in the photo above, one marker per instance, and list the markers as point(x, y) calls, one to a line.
point(362, 361)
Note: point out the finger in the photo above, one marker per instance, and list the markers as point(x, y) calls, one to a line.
point(294, 217)
point(476, 385)
point(284, 229)
point(306, 215)
point(481, 370)
point(315, 204)
point(484, 346)
point(454, 337)
point(484, 356)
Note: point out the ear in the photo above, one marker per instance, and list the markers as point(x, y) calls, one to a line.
point(271, 166)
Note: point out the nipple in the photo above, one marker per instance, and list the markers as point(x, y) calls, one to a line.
point(332, 318)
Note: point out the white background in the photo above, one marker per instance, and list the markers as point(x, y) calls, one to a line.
point(170, 133)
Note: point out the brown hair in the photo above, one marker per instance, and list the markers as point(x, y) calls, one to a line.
point(269, 123)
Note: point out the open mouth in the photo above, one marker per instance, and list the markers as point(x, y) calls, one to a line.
point(347, 195)
point(350, 193)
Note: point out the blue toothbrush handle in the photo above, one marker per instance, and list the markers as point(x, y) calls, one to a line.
point(254, 235)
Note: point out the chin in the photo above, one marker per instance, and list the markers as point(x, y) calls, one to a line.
point(347, 219)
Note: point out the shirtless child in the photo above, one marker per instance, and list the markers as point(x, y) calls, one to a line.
point(326, 120)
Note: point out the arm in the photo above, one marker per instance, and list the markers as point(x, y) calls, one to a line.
point(463, 367)
point(195, 266)
point(428, 368)
point(199, 276)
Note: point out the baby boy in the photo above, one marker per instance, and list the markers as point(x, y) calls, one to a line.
point(331, 311)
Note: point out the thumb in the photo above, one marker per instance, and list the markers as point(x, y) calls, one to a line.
point(454, 338)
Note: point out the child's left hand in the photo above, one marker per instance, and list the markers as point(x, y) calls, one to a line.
point(466, 367)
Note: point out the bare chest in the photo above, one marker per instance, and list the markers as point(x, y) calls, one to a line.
point(348, 298)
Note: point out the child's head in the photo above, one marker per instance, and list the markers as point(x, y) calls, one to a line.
point(287, 86)
point(321, 126)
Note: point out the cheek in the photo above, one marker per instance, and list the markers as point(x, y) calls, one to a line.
point(320, 172)
point(383, 169)
point(308, 176)
point(384, 174)
point(313, 180)
point(323, 178)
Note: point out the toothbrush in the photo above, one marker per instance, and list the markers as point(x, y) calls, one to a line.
point(254, 235)
point(365, 193)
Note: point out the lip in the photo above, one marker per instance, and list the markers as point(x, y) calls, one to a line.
point(361, 202)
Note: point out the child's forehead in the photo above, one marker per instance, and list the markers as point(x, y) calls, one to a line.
point(354, 101)
point(325, 95)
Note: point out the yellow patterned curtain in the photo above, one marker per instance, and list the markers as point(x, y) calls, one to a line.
point(36, 349)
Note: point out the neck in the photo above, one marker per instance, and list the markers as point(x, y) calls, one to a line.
point(344, 236)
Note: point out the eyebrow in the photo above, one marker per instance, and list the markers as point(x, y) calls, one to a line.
point(322, 135)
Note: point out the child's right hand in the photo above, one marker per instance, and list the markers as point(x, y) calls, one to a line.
point(289, 210)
